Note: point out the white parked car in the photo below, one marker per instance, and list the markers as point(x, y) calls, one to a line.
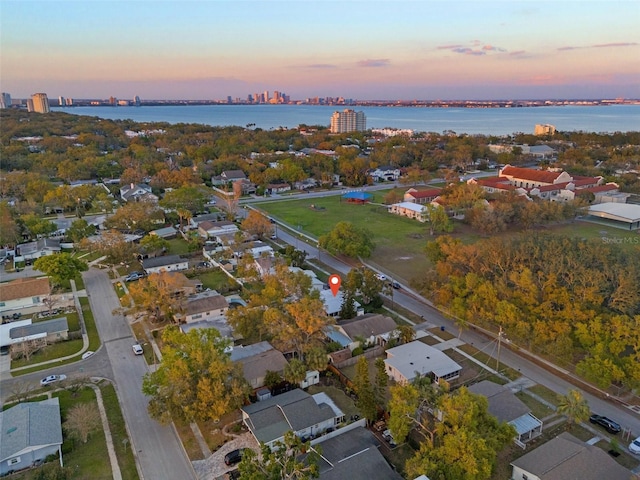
point(634, 447)
point(87, 354)
point(137, 349)
point(381, 277)
point(52, 379)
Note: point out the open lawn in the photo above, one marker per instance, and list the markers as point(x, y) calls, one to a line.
point(399, 241)
point(216, 279)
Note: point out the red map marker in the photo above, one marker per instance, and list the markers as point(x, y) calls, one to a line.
point(334, 283)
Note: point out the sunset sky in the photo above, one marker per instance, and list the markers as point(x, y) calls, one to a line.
point(358, 49)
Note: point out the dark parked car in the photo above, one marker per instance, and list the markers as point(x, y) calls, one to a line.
point(608, 424)
point(233, 457)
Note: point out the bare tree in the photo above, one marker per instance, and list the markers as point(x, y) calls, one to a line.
point(82, 419)
point(229, 201)
point(50, 301)
point(20, 391)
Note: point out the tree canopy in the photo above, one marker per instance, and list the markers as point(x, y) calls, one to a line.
point(60, 267)
point(196, 379)
point(347, 239)
point(291, 459)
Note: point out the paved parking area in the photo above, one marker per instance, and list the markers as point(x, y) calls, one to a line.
point(213, 467)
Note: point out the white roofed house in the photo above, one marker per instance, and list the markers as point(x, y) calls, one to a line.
point(385, 173)
point(29, 433)
point(168, 263)
point(410, 210)
point(217, 230)
point(137, 193)
point(36, 249)
point(406, 362)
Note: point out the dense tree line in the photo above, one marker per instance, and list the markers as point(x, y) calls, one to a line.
point(575, 300)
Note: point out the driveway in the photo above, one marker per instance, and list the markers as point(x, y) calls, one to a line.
point(214, 466)
point(157, 447)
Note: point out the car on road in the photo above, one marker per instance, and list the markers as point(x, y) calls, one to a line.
point(87, 354)
point(233, 457)
point(137, 349)
point(52, 379)
point(381, 277)
point(396, 285)
point(608, 424)
point(634, 447)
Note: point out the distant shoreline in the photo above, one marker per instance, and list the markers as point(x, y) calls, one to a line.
point(372, 103)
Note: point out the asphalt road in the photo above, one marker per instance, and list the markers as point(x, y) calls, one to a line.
point(157, 447)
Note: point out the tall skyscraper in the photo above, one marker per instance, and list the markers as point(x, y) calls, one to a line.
point(62, 102)
point(348, 121)
point(40, 103)
point(5, 100)
point(136, 101)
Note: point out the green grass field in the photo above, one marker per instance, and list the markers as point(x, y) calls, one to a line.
point(399, 241)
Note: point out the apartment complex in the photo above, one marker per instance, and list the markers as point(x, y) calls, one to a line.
point(5, 100)
point(545, 129)
point(348, 121)
point(38, 103)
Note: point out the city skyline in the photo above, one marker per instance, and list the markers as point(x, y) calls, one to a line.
point(362, 50)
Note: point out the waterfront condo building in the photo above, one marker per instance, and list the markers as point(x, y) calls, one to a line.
point(40, 103)
point(544, 129)
point(348, 121)
point(5, 100)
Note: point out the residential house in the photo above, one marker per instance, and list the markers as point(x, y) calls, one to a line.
point(23, 293)
point(166, 232)
point(566, 457)
point(306, 184)
point(137, 193)
point(168, 263)
point(40, 333)
point(354, 453)
point(39, 248)
point(316, 283)
point(257, 360)
point(306, 415)
point(194, 222)
point(217, 230)
point(385, 173)
point(333, 303)
point(203, 306)
point(233, 176)
point(374, 329)
point(406, 362)
point(183, 286)
point(264, 265)
point(421, 196)
point(29, 433)
point(410, 210)
point(506, 407)
point(274, 188)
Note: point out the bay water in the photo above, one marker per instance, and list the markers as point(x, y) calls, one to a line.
point(484, 121)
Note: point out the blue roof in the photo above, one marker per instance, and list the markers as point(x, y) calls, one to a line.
point(357, 196)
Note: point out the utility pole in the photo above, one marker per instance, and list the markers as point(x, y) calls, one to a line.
point(499, 343)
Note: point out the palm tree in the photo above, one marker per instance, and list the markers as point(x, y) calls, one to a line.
point(573, 406)
point(295, 371)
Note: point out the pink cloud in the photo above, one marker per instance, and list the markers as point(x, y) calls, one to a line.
point(517, 53)
point(380, 62)
point(601, 45)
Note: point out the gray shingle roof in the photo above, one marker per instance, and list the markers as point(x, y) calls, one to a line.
point(503, 404)
point(568, 458)
point(162, 261)
point(352, 455)
point(294, 410)
point(368, 325)
point(48, 327)
point(28, 425)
